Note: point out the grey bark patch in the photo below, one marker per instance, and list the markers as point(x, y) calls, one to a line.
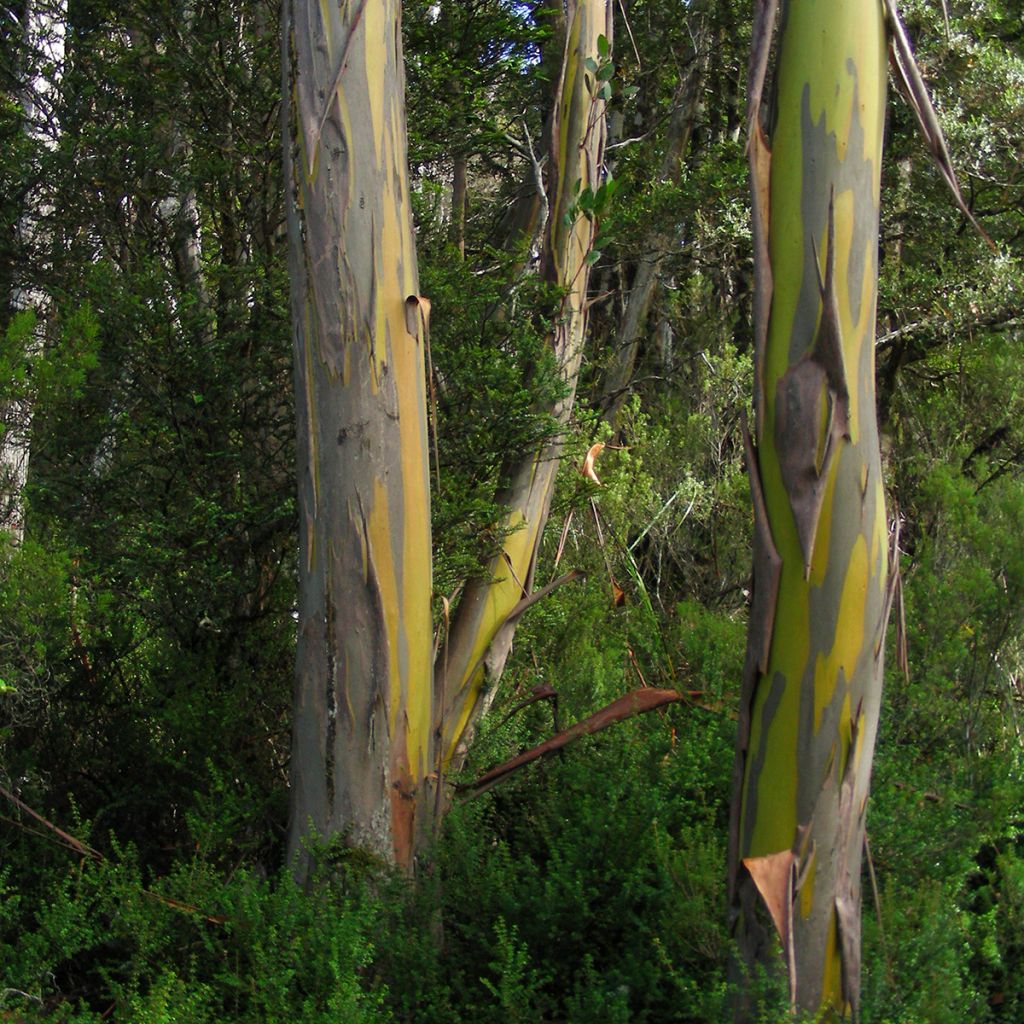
point(821, 162)
point(847, 886)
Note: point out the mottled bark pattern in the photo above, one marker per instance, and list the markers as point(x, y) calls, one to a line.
point(481, 635)
point(814, 664)
point(361, 746)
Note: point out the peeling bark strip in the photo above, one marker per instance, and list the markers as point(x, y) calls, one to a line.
point(629, 705)
point(813, 671)
point(911, 84)
point(481, 633)
point(362, 711)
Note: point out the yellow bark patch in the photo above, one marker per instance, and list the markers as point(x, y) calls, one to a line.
point(823, 538)
point(849, 639)
point(382, 559)
point(503, 595)
point(375, 35)
point(407, 363)
point(325, 18)
point(844, 214)
point(807, 886)
point(832, 978)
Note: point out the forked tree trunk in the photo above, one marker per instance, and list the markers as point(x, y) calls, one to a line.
point(478, 644)
point(821, 563)
point(362, 713)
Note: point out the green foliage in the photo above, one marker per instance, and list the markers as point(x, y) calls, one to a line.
point(98, 943)
point(613, 881)
point(494, 381)
point(35, 608)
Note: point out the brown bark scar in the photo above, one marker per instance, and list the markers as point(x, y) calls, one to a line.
point(764, 284)
point(767, 574)
point(760, 50)
point(759, 156)
point(819, 376)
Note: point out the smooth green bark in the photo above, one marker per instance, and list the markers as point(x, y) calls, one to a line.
point(821, 571)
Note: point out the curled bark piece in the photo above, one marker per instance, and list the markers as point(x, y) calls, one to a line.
point(767, 564)
point(773, 876)
point(912, 85)
point(848, 845)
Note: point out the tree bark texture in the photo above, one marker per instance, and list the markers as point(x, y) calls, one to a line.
point(813, 674)
point(363, 698)
point(473, 657)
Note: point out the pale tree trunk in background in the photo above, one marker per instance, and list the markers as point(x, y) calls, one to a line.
point(361, 746)
point(821, 564)
point(633, 321)
point(44, 33)
point(526, 217)
point(180, 209)
point(478, 643)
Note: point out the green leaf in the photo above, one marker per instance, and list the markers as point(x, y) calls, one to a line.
point(603, 46)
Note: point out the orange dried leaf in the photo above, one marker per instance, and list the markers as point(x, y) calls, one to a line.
point(587, 469)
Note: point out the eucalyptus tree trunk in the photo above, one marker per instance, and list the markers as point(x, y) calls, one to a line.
point(362, 738)
point(478, 643)
point(821, 579)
